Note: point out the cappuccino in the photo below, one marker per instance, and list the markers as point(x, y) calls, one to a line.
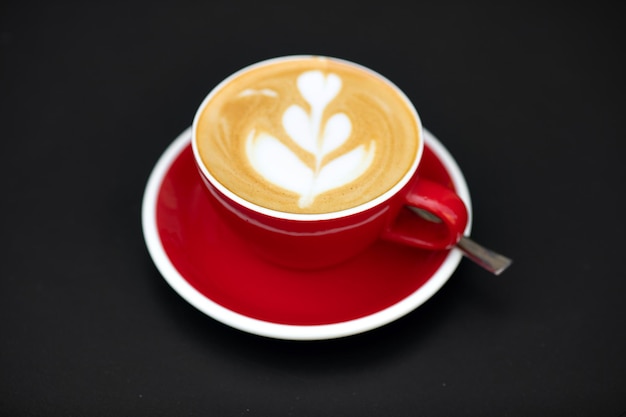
point(307, 135)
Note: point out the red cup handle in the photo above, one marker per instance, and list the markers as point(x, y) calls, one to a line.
point(441, 232)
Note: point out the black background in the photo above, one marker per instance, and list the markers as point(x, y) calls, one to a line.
point(530, 101)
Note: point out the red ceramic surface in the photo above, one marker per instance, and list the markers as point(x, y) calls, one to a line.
point(210, 266)
point(307, 243)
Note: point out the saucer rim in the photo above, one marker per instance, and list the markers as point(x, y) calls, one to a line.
point(289, 331)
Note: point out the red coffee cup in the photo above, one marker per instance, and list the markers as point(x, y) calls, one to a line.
point(315, 240)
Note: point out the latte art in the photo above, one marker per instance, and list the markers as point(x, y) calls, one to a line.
point(277, 164)
point(308, 135)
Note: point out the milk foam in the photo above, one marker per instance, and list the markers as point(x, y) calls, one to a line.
point(277, 164)
point(307, 135)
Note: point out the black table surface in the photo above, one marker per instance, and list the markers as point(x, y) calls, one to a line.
point(528, 99)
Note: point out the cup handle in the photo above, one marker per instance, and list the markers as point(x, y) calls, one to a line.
point(433, 217)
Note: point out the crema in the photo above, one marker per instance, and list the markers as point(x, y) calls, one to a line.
point(307, 135)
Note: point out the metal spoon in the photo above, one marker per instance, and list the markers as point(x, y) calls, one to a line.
point(488, 259)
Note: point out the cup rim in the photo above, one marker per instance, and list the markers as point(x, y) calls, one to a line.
point(307, 216)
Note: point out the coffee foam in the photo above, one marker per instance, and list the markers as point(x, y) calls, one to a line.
point(307, 135)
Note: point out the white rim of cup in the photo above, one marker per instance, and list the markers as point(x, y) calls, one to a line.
point(308, 216)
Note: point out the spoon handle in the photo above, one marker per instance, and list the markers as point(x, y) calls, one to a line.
point(488, 259)
point(491, 261)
